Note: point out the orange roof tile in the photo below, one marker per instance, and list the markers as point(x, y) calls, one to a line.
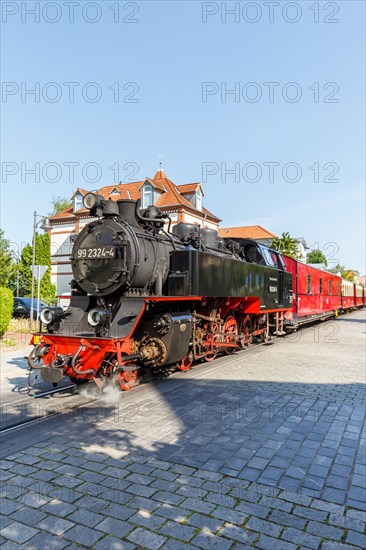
point(171, 195)
point(246, 232)
point(188, 188)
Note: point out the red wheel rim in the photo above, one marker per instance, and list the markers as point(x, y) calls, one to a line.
point(185, 364)
point(231, 330)
point(208, 344)
point(127, 379)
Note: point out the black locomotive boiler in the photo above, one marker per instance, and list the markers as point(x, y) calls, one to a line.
point(144, 297)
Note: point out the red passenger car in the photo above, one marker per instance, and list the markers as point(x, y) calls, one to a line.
point(316, 293)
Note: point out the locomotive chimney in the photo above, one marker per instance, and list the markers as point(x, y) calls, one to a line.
point(127, 211)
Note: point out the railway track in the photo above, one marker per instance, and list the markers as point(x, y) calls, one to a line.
point(36, 408)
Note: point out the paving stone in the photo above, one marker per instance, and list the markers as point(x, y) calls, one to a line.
point(208, 475)
point(269, 543)
point(205, 522)
point(223, 500)
point(44, 541)
point(327, 506)
point(181, 469)
point(172, 512)
point(347, 522)
point(113, 526)
point(310, 513)
point(18, 532)
point(146, 539)
point(168, 476)
point(83, 535)
point(357, 539)
point(141, 490)
point(146, 519)
point(91, 503)
point(207, 540)
point(55, 525)
point(58, 508)
point(197, 505)
point(299, 537)
point(265, 527)
point(173, 544)
point(86, 517)
point(357, 514)
point(227, 514)
point(178, 531)
point(29, 516)
point(240, 534)
point(331, 545)
point(9, 506)
point(287, 519)
point(324, 531)
point(118, 511)
point(111, 543)
point(276, 503)
point(143, 503)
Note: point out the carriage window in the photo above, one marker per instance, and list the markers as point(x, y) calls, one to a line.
point(320, 285)
point(308, 284)
point(330, 288)
point(339, 289)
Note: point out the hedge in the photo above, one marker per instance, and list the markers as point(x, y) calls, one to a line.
point(6, 308)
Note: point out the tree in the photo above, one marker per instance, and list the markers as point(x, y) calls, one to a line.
point(7, 265)
point(286, 245)
point(42, 257)
point(348, 274)
point(316, 256)
point(59, 205)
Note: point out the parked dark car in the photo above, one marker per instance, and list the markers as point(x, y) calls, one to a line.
point(22, 307)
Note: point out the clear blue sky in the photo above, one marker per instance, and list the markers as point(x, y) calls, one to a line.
point(169, 52)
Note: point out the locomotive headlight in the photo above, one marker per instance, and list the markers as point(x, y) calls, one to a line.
point(91, 200)
point(98, 317)
point(51, 315)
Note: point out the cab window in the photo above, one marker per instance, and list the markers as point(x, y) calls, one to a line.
point(330, 288)
point(320, 285)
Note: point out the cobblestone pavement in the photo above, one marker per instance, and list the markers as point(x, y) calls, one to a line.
point(265, 449)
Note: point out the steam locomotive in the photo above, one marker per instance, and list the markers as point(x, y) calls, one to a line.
point(144, 297)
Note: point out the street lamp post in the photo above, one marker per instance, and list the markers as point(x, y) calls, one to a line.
point(45, 225)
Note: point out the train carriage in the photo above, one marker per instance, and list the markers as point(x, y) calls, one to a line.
point(316, 293)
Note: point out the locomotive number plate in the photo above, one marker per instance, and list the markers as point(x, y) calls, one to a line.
point(96, 252)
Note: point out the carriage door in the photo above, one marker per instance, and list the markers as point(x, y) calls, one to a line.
point(280, 267)
point(321, 295)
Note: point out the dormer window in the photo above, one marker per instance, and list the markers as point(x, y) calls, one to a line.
point(115, 192)
point(147, 195)
point(78, 202)
point(199, 199)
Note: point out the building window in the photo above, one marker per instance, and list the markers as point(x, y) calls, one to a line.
point(330, 288)
point(199, 199)
point(78, 202)
point(147, 195)
point(308, 284)
point(320, 285)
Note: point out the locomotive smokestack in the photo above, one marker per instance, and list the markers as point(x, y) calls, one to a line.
point(127, 211)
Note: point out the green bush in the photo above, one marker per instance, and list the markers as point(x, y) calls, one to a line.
point(6, 308)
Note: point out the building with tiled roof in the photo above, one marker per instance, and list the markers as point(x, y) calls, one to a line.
point(255, 232)
point(183, 203)
point(261, 235)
